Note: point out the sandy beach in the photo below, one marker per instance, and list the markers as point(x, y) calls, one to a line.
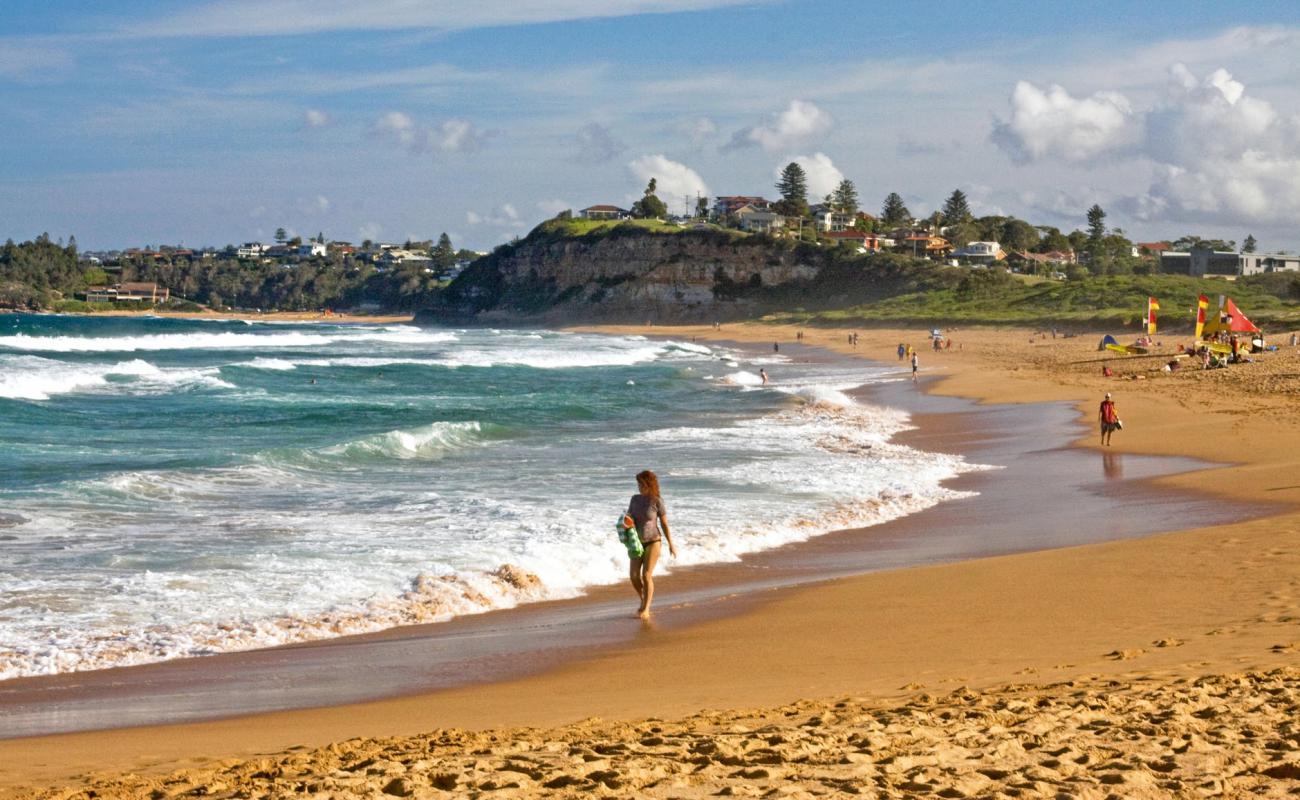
point(1150, 667)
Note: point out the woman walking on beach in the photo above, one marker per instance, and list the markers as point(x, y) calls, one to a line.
point(651, 517)
point(1108, 416)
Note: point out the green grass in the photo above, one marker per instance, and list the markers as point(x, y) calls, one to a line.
point(991, 297)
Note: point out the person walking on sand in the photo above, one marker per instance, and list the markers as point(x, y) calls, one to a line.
point(901, 350)
point(1108, 416)
point(651, 517)
point(916, 363)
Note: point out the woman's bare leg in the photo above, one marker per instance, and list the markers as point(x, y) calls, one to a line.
point(634, 572)
point(649, 560)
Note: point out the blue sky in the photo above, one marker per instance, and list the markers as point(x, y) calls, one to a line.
point(216, 122)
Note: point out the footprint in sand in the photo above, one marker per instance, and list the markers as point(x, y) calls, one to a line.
point(1125, 655)
point(1168, 642)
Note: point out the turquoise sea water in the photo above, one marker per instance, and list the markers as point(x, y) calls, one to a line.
point(174, 488)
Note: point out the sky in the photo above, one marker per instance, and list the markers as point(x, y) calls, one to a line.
point(207, 123)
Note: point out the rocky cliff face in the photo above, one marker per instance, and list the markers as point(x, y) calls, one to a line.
point(627, 275)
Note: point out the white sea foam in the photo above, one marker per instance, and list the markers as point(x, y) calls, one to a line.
point(35, 378)
point(217, 341)
point(277, 364)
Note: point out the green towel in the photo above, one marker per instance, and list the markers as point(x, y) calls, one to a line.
point(630, 539)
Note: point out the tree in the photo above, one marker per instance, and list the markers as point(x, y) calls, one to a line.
point(1249, 245)
point(1096, 224)
point(956, 209)
point(701, 207)
point(845, 197)
point(443, 254)
point(793, 186)
point(320, 237)
point(1019, 236)
point(649, 206)
point(894, 212)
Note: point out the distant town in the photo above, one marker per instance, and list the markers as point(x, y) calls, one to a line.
point(295, 273)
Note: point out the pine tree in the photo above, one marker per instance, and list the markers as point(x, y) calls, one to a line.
point(1096, 224)
point(443, 254)
point(956, 209)
point(845, 197)
point(894, 212)
point(793, 186)
point(281, 235)
point(1250, 244)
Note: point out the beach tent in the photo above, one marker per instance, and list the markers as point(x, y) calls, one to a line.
point(1228, 319)
point(1105, 340)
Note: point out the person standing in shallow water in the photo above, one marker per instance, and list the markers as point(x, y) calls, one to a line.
point(647, 510)
point(1108, 416)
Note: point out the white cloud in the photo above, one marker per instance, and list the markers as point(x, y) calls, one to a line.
point(315, 118)
point(315, 205)
point(371, 231)
point(458, 136)
point(398, 127)
point(823, 176)
point(799, 122)
point(594, 144)
point(1052, 124)
point(553, 206)
point(674, 180)
point(507, 216)
point(451, 136)
point(1222, 154)
point(699, 130)
point(1218, 154)
point(293, 17)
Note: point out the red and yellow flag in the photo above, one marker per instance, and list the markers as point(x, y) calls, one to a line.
point(1202, 304)
point(1152, 307)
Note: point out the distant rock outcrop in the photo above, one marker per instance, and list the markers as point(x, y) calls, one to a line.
point(625, 273)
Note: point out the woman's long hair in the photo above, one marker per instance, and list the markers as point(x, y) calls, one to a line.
point(647, 483)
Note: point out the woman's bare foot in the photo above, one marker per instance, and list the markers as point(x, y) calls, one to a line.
point(643, 613)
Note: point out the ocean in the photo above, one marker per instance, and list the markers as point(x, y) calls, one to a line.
point(174, 488)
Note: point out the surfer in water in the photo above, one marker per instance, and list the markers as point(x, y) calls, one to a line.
point(651, 517)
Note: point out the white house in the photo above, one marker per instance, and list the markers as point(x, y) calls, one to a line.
point(310, 249)
point(602, 212)
point(251, 250)
point(400, 256)
point(980, 252)
point(753, 220)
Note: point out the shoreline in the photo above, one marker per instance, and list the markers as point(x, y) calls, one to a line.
point(705, 636)
point(245, 316)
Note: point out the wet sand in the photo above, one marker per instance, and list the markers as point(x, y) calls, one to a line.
point(1221, 598)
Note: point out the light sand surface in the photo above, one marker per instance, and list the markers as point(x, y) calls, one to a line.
point(1156, 615)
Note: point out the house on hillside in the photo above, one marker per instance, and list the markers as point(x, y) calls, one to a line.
point(923, 245)
point(602, 212)
point(398, 256)
point(1055, 258)
point(1255, 263)
point(828, 220)
point(1151, 248)
point(865, 242)
point(137, 292)
point(310, 249)
point(754, 220)
point(250, 250)
point(980, 252)
point(726, 206)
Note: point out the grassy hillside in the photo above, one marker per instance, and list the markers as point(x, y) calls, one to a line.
point(994, 297)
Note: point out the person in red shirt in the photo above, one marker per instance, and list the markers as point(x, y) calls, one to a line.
point(1108, 416)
